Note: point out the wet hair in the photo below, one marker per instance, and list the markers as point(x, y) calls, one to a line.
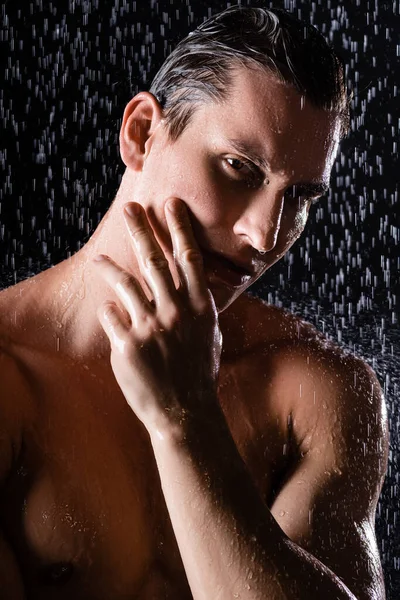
point(202, 66)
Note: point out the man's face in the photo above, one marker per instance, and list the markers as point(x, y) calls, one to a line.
point(238, 207)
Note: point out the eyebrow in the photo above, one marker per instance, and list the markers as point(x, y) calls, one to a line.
point(317, 188)
point(311, 189)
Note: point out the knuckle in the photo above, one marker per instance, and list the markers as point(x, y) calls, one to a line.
point(206, 306)
point(140, 233)
point(149, 327)
point(172, 318)
point(109, 312)
point(192, 256)
point(149, 323)
point(180, 226)
point(126, 281)
point(156, 261)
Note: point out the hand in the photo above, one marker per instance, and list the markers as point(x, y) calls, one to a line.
point(165, 356)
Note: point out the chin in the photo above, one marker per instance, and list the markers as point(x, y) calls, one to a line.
point(224, 296)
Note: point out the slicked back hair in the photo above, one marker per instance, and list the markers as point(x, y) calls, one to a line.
point(202, 66)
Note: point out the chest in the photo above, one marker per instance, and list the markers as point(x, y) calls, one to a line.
point(85, 508)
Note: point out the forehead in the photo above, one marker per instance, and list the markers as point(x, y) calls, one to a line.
point(278, 122)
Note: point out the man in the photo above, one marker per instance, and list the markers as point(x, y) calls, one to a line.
point(193, 464)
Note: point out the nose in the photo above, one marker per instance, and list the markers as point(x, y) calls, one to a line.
point(260, 221)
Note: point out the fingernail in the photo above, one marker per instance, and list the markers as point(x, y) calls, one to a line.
point(132, 209)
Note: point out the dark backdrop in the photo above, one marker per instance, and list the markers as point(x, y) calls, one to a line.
point(69, 68)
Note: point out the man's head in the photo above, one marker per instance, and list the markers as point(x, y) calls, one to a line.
point(201, 67)
point(242, 123)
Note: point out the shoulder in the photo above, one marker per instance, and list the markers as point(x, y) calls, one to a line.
point(335, 400)
point(252, 325)
point(332, 398)
point(298, 351)
point(334, 409)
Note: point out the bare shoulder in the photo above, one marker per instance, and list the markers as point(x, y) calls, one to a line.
point(261, 325)
point(336, 412)
point(329, 393)
point(294, 344)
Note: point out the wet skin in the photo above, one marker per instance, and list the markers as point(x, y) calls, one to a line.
point(115, 475)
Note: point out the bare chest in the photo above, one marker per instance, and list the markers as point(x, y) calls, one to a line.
point(84, 508)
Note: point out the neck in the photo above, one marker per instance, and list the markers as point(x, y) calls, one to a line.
point(70, 293)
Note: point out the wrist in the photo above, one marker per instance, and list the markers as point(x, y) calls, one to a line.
point(183, 425)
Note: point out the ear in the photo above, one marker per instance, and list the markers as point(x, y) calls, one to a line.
point(142, 116)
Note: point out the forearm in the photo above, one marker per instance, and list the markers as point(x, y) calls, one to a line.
point(231, 545)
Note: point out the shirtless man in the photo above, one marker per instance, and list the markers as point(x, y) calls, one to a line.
point(183, 467)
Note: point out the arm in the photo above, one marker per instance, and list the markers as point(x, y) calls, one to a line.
point(328, 504)
point(321, 526)
point(165, 358)
point(230, 543)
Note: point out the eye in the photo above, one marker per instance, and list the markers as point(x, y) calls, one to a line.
point(299, 197)
point(237, 164)
point(244, 170)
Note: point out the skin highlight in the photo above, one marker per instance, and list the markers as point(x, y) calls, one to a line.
point(227, 215)
point(197, 435)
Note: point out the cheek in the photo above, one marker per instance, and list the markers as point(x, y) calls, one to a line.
point(300, 221)
point(293, 224)
point(187, 178)
point(201, 189)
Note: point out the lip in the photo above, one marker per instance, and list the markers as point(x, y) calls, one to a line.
point(224, 269)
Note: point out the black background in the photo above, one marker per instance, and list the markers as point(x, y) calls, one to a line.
point(68, 70)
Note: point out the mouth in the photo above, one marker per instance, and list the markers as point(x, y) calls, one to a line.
point(230, 273)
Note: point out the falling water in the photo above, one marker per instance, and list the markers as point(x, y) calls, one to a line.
point(69, 68)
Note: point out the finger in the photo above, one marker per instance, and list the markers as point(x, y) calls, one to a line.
point(152, 262)
point(112, 321)
point(127, 288)
point(188, 257)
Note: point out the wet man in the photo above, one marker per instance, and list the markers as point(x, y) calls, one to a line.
point(164, 435)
